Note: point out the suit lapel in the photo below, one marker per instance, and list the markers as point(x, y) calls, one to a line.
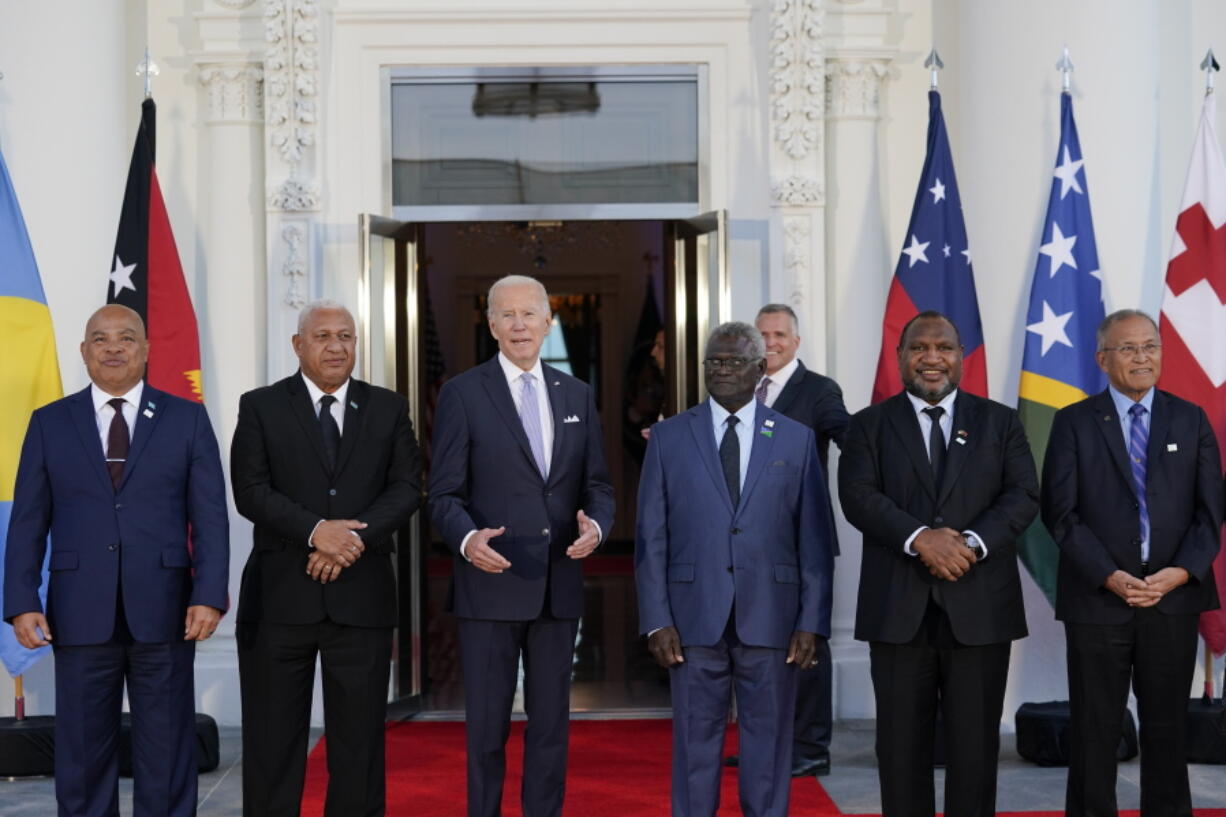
point(148, 413)
point(907, 428)
point(1108, 423)
point(790, 389)
point(301, 407)
point(557, 407)
point(699, 419)
point(500, 396)
point(1159, 427)
point(759, 451)
point(964, 439)
point(355, 419)
point(85, 419)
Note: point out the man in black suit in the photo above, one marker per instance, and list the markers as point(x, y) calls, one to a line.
point(327, 468)
point(520, 493)
point(1132, 494)
point(817, 401)
point(941, 483)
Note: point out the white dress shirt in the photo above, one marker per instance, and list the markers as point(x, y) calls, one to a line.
point(778, 380)
point(103, 413)
point(744, 430)
point(947, 427)
point(337, 408)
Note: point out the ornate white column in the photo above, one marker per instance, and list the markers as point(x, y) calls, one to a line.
point(797, 169)
point(857, 259)
point(291, 63)
point(231, 257)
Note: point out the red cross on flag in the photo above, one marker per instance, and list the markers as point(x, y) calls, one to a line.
point(1193, 321)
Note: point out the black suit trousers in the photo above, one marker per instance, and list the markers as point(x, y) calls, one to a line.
point(1156, 654)
point(276, 666)
point(910, 681)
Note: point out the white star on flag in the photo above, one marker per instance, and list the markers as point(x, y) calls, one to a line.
point(1059, 250)
point(967, 253)
point(916, 251)
point(1051, 328)
point(1066, 172)
point(946, 251)
point(121, 276)
point(937, 191)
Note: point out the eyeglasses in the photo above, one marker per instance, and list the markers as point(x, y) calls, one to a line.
point(729, 363)
point(1149, 349)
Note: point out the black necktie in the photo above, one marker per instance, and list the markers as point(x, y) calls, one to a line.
point(936, 444)
point(327, 425)
point(117, 443)
point(730, 459)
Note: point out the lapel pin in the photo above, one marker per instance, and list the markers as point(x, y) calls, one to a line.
point(1172, 447)
point(766, 432)
point(148, 414)
point(1107, 418)
point(353, 405)
point(961, 437)
point(150, 404)
point(557, 382)
point(769, 423)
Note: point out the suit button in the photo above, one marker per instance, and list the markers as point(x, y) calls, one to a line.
point(940, 520)
point(544, 531)
point(548, 494)
point(1136, 506)
point(111, 547)
point(1136, 542)
point(331, 492)
point(118, 506)
point(729, 568)
point(734, 532)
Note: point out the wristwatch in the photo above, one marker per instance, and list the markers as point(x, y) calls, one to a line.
point(976, 548)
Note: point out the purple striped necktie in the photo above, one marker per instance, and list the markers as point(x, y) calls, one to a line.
point(530, 416)
point(761, 391)
point(1138, 445)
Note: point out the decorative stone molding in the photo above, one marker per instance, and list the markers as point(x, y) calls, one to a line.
point(853, 87)
point(796, 191)
point(296, 266)
point(235, 92)
point(236, 5)
point(797, 254)
point(291, 65)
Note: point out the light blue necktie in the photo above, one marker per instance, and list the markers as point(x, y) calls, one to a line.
point(530, 416)
point(1138, 445)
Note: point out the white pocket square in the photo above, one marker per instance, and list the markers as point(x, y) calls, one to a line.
point(574, 418)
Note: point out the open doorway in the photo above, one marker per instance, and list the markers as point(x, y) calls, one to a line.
point(630, 299)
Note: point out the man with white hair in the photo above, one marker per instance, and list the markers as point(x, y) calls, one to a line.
point(328, 470)
point(519, 492)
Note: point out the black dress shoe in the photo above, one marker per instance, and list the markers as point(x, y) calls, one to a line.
point(811, 766)
point(732, 760)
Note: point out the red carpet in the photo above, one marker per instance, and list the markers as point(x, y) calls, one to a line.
point(617, 769)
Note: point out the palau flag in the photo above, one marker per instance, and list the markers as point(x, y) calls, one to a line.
point(934, 270)
point(29, 376)
point(1066, 307)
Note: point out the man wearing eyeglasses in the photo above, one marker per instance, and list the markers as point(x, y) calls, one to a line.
point(733, 562)
point(1132, 494)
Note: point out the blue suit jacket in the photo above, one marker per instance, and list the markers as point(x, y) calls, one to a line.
point(483, 476)
point(695, 554)
point(136, 537)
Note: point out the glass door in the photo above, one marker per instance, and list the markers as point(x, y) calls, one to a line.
point(699, 298)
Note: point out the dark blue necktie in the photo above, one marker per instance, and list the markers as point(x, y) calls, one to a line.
point(1138, 445)
point(730, 459)
point(331, 432)
point(936, 444)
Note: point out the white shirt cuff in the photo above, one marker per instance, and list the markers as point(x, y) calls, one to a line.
point(906, 546)
point(312, 533)
point(464, 544)
point(599, 532)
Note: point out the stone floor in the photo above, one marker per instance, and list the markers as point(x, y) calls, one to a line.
point(852, 784)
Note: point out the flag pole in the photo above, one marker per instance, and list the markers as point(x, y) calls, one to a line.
point(19, 698)
point(1066, 71)
point(934, 62)
point(1209, 65)
point(148, 69)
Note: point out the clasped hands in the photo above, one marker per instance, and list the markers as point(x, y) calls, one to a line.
point(665, 646)
point(1148, 591)
point(337, 546)
point(944, 552)
point(484, 557)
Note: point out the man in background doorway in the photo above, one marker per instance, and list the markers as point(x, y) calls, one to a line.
point(520, 493)
point(816, 401)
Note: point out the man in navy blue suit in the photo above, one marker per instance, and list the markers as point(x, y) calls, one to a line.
point(520, 493)
point(733, 563)
point(117, 474)
point(1132, 494)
